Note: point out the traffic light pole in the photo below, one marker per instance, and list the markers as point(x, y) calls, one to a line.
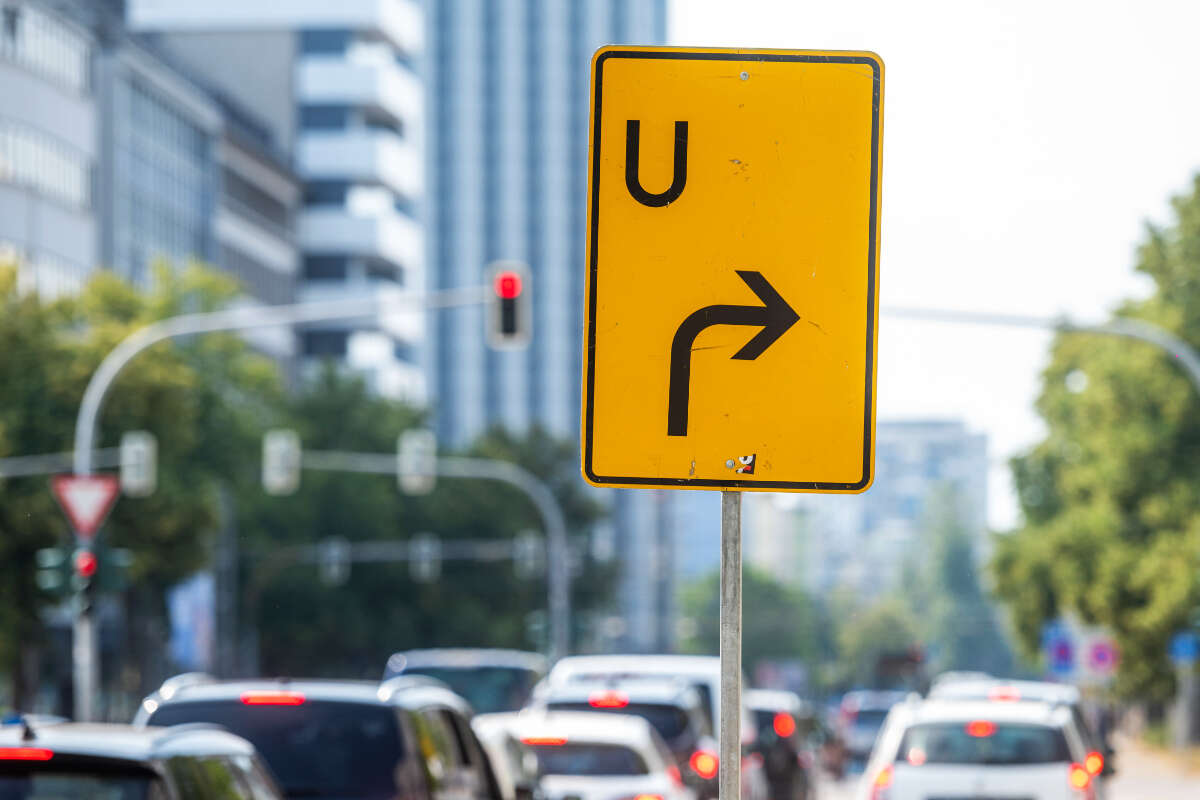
point(86, 667)
point(558, 570)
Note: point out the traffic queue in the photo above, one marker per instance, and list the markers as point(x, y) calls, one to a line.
point(480, 724)
point(440, 725)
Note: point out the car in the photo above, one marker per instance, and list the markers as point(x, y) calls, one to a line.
point(703, 673)
point(860, 718)
point(82, 761)
point(977, 749)
point(1099, 759)
point(405, 738)
point(586, 756)
point(785, 731)
point(491, 680)
point(671, 706)
point(514, 764)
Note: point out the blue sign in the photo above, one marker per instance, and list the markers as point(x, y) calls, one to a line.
point(1184, 648)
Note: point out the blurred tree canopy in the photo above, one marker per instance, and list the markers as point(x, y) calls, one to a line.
point(208, 400)
point(1111, 504)
point(198, 398)
point(779, 622)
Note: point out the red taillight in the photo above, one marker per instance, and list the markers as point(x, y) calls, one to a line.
point(1004, 694)
point(675, 776)
point(981, 728)
point(1079, 777)
point(648, 797)
point(1094, 763)
point(507, 285)
point(25, 754)
point(272, 698)
point(609, 699)
point(882, 781)
point(704, 764)
point(544, 741)
point(784, 724)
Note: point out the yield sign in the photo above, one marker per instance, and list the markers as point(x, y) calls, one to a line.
point(86, 499)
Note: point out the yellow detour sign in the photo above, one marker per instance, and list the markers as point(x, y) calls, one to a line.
point(732, 269)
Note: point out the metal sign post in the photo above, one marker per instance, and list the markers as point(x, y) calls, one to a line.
point(730, 780)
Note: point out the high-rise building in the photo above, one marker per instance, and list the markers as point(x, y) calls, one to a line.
point(508, 142)
point(48, 148)
point(336, 82)
point(861, 541)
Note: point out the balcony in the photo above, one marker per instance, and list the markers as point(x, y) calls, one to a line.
point(389, 88)
point(389, 236)
point(362, 156)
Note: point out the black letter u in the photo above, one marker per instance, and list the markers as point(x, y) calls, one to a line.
point(633, 129)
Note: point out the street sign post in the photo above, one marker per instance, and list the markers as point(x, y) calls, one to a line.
point(86, 500)
point(732, 269)
point(732, 287)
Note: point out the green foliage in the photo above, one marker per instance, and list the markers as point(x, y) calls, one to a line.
point(1110, 500)
point(312, 629)
point(870, 636)
point(780, 622)
point(201, 399)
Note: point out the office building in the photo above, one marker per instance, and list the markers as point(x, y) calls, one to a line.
point(48, 149)
point(337, 86)
point(861, 542)
point(507, 164)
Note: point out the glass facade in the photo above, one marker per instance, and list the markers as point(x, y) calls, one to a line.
point(32, 159)
point(43, 44)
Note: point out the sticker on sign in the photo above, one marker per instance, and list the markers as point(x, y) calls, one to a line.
point(86, 499)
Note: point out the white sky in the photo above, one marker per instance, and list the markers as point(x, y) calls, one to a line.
point(1025, 145)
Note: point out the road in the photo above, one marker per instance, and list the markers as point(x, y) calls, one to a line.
point(1142, 774)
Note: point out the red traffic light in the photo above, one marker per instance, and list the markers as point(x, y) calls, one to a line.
point(85, 563)
point(507, 285)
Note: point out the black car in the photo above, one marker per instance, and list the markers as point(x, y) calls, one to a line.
point(784, 730)
point(408, 738)
point(84, 761)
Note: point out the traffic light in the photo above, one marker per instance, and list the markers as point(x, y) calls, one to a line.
point(529, 555)
point(416, 461)
point(52, 573)
point(333, 561)
point(281, 461)
point(509, 320)
point(83, 568)
point(425, 557)
point(139, 463)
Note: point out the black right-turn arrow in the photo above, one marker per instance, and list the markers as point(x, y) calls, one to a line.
point(775, 316)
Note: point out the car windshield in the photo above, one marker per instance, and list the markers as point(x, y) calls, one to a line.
point(316, 748)
point(870, 719)
point(488, 689)
point(588, 759)
point(22, 783)
point(983, 742)
point(671, 722)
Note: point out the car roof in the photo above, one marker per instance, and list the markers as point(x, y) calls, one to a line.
point(127, 742)
point(585, 726)
point(666, 691)
point(1033, 713)
point(467, 657)
point(639, 664)
point(984, 689)
point(405, 691)
point(775, 700)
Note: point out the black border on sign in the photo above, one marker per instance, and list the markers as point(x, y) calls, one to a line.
point(593, 274)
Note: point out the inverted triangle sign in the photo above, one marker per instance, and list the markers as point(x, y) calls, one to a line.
point(86, 499)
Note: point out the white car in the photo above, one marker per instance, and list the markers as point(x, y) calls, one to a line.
point(966, 749)
point(600, 757)
point(703, 673)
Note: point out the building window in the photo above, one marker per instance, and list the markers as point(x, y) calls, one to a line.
point(42, 163)
point(43, 44)
point(403, 351)
point(380, 122)
point(325, 42)
point(325, 268)
point(325, 344)
point(324, 117)
point(325, 193)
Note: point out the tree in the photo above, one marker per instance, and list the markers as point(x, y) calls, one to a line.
point(780, 622)
point(871, 637)
point(200, 398)
point(351, 629)
point(1110, 499)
